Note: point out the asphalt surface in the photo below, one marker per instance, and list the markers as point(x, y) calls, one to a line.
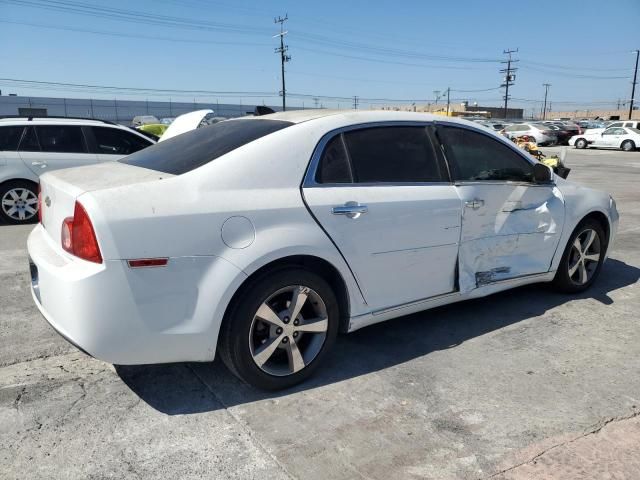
point(523, 384)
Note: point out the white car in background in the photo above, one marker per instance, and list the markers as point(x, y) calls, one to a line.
point(262, 237)
point(543, 134)
point(622, 138)
point(31, 146)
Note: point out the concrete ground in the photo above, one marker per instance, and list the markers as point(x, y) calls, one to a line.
point(524, 384)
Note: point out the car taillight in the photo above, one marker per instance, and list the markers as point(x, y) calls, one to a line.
point(39, 204)
point(78, 236)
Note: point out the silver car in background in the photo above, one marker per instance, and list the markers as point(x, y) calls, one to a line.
point(539, 131)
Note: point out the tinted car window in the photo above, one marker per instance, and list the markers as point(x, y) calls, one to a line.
point(392, 154)
point(10, 137)
point(61, 138)
point(117, 142)
point(334, 164)
point(29, 141)
point(476, 156)
point(193, 149)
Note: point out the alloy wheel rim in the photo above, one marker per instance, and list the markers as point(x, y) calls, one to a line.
point(20, 204)
point(288, 330)
point(584, 256)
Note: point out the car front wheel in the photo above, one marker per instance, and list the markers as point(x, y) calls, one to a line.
point(628, 146)
point(581, 143)
point(582, 259)
point(279, 328)
point(18, 202)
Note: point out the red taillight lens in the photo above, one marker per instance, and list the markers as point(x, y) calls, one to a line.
point(78, 236)
point(39, 204)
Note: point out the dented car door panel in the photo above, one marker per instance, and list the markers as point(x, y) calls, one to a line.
point(513, 233)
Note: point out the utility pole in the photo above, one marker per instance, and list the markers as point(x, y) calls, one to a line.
point(509, 77)
point(436, 93)
point(633, 87)
point(284, 58)
point(355, 102)
point(448, 92)
point(546, 92)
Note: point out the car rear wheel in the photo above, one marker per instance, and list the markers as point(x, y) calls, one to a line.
point(18, 202)
point(628, 146)
point(581, 143)
point(582, 258)
point(279, 328)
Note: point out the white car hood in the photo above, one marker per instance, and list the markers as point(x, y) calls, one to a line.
point(184, 123)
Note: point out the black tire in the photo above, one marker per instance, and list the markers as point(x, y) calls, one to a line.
point(581, 143)
point(236, 331)
point(563, 281)
point(628, 146)
point(6, 214)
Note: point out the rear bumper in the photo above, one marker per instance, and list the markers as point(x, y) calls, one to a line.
point(131, 316)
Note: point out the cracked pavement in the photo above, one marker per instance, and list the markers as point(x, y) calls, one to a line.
point(523, 384)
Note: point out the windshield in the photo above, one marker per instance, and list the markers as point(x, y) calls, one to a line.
point(193, 149)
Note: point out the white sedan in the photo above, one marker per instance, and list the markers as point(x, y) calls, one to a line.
point(262, 238)
point(623, 138)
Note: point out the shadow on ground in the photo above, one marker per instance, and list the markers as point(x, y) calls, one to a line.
point(198, 387)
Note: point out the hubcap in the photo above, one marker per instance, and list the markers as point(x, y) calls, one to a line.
point(20, 204)
point(280, 346)
point(584, 256)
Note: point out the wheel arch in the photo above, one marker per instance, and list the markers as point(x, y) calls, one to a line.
point(19, 179)
point(599, 217)
point(313, 263)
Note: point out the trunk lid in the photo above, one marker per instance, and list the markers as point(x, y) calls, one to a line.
point(184, 123)
point(59, 189)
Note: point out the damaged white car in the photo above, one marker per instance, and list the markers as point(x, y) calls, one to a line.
point(261, 238)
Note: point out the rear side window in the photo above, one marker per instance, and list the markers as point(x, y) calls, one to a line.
point(392, 154)
point(334, 165)
point(10, 138)
point(112, 141)
point(476, 157)
point(29, 142)
point(61, 139)
point(193, 149)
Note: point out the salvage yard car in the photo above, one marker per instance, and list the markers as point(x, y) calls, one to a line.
point(31, 146)
point(622, 138)
point(543, 134)
point(263, 237)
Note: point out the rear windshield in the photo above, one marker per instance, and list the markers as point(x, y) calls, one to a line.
point(193, 149)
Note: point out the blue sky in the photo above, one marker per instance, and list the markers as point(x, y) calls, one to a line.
point(376, 50)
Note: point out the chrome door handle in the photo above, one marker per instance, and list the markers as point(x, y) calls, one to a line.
point(476, 203)
point(350, 209)
point(39, 164)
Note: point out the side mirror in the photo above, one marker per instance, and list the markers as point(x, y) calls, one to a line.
point(542, 173)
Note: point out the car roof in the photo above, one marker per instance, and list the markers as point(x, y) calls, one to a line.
point(359, 116)
point(6, 121)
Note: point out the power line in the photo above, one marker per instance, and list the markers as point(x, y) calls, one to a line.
point(133, 35)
